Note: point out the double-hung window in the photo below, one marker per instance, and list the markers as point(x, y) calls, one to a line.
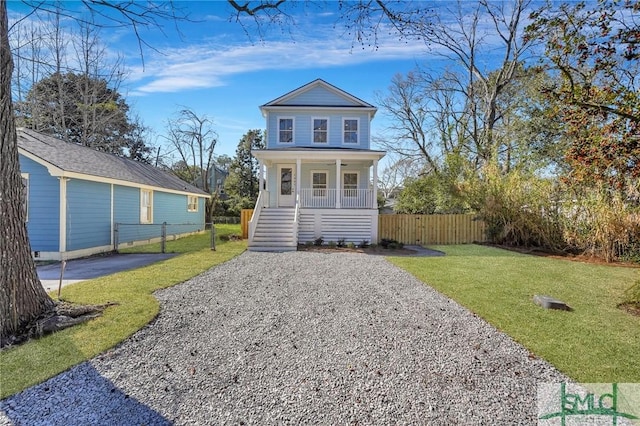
point(146, 206)
point(192, 203)
point(320, 130)
point(319, 184)
point(350, 130)
point(285, 130)
point(350, 184)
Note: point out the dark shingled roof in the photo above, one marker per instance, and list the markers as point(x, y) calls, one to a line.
point(71, 157)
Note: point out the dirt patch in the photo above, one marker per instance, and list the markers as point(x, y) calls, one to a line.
point(631, 308)
point(63, 315)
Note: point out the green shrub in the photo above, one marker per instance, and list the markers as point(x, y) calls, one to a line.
point(388, 243)
point(351, 245)
point(632, 294)
point(332, 244)
point(341, 242)
point(318, 241)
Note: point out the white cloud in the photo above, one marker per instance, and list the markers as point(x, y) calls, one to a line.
point(208, 65)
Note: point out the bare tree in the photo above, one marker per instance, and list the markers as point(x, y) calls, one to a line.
point(392, 178)
point(194, 139)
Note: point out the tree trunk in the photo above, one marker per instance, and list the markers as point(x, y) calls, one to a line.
point(22, 297)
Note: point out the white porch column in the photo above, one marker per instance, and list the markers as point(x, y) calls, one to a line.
point(298, 173)
point(375, 184)
point(261, 174)
point(338, 177)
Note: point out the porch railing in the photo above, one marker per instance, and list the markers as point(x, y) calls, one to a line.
point(316, 198)
point(260, 203)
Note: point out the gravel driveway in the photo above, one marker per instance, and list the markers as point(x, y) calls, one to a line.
point(301, 337)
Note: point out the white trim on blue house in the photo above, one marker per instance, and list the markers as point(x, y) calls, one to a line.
point(63, 214)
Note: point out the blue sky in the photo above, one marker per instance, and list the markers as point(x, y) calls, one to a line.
point(214, 68)
point(217, 70)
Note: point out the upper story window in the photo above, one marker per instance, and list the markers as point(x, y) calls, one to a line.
point(192, 203)
point(285, 130)
point(146, 206)
point(350, 130)
point(320, 130)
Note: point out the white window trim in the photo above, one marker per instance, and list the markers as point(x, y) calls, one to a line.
point(144, 219)
point(350, 172)
point(357, 119)
point(313, 133)
point(326, 185)
point(26, 201)
point(190, 199)
point(293, 130)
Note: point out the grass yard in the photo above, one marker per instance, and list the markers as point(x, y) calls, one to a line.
point(38, 360)
point(595, 343)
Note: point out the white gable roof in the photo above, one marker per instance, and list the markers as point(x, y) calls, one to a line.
point(318, 94)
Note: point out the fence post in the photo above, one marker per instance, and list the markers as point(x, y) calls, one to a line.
point(213, 236)
point(163, 237)
point(116, 237)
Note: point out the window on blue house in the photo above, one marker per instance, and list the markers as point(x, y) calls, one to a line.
point(350, 184)
point(320, 126)
point(192, 203)
point(350, 130)
point(285, 130)
point(319, 184)
point(146, 206)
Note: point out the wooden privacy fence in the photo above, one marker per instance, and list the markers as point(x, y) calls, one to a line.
point(431, 229)
point(245, 217)
point(417, 228)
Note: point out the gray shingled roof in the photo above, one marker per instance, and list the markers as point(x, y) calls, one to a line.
point(71, 157)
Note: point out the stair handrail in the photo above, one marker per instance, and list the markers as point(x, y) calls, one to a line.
point(253, 223)
point(296, 215)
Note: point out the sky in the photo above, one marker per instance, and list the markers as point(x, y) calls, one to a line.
point(223, 70)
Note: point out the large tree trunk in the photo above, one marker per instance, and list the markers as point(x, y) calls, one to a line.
point(22, 297)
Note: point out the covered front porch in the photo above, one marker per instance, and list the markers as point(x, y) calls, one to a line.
point(318, 179)
point(314, 193)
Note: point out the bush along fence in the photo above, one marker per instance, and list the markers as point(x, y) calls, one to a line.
point(417, 229)
point(134, 234)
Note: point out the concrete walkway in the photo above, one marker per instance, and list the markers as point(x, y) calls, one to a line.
point(78, 270)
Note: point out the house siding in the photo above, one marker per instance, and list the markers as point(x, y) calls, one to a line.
point(319, 96)
point(43, 225)
point(172, 208)
point(88, 214)
point(302, 129)
point(167, 207)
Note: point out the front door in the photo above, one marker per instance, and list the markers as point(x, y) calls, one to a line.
point(286, 185)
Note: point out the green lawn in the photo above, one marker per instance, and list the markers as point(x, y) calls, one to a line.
point(38, 360)
point(597, 342)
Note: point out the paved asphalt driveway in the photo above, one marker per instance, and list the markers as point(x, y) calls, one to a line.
point(299, 338)
point(78, 270)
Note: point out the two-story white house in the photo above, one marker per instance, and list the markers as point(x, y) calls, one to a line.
point(318, 175)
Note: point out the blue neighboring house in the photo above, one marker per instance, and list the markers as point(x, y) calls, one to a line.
point(77, 195)
point(318, 173)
